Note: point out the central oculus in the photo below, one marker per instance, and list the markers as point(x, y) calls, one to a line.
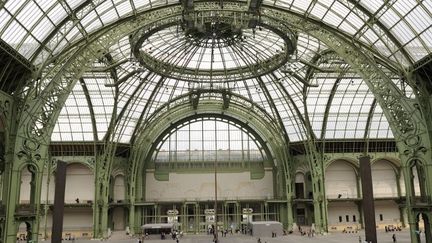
point(212, 47)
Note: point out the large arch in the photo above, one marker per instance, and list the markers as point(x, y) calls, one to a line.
point(342, 180)
point(248, 116)
point(388, 95)
point(36, 127)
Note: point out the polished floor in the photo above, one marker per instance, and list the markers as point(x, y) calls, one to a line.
point(402, 237)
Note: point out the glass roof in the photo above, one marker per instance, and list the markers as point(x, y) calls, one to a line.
point(232, 51)
point(314, 86)
point(397, 29)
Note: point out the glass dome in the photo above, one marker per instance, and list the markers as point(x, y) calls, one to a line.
point(303, 80)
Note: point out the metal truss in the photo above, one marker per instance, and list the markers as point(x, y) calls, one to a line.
point(47, 95)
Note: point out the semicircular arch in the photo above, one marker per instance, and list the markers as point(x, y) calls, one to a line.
point(350, 161)
point(241, 113)
point(72, 63)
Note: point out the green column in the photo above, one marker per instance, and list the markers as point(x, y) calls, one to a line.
point(197, 218)
point(238, 215)
point(132, 208)
point(100, 213)
point(132, 219)
point(96, 202)
point(289, 214)
point(35, 200)
point(317, 215)
point(289, 204)
point(412, 219)
point(324, 215)
point(320, 208)
point(12, 182)
point(46, 205)
point(96, 217)
point(184, 218)
point(104, 220)
point(262, 213)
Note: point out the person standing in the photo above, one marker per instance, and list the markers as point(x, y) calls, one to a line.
point(394, 237)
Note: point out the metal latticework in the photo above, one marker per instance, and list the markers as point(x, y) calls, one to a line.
point(298, 81)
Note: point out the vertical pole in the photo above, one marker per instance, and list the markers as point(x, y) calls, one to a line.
point(215, 176)
point(45, 235)
point(58, 211)
point(215, 232)
point(368, 200)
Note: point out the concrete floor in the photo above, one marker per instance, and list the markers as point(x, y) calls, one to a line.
point(402, 237)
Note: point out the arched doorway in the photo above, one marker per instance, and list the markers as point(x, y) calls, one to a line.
point(341, 183)
point(423, 228)
point(24, 233)
point(385, 190)
point(245, 175)
point(417, 177)
point(78, 217)
point(27, 186)
point(118, 212)
point(301, 208)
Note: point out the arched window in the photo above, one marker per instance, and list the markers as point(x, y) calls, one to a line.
point(119, 188)
point(186, 158)
point(341, 180)
point(209, 139)
point(79, 176)
point(27, 186)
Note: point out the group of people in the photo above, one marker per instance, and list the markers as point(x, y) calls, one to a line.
point(309, 233)
point(175, 235)
point(349, 231)
point(224, 232)
point(391, 228)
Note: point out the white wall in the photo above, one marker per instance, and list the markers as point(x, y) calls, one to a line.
point(48, 224)
point(119, 188)
point(299, 178)
point(25, 186)
point(73, 219)
point(336, 209)
point(201, 186)
point(79, 183)
point(340, 178)
point(384, 179)
point(416, 182)
point(78, 219)
point(389, 210)
point(118, 218)
point(45, 188)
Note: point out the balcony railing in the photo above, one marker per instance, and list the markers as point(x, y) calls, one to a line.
point(25, 210)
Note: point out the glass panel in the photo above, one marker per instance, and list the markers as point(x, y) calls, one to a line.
point(220, 140)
